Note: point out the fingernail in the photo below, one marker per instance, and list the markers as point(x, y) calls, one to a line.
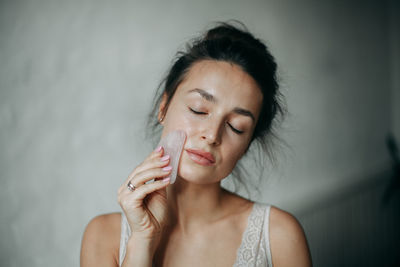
point(166, 180)
point(158, 149)
point(165, 158)
point(167, 168)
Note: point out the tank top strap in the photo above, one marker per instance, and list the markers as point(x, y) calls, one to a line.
point(266, 234)
point(255, 249)
point(125, 234)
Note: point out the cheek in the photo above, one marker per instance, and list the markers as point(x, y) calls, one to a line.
point(179, 119)
point(234, 154)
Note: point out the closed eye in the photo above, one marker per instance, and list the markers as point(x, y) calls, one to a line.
point(197, 112)
point(235, 130)
point(205, 113)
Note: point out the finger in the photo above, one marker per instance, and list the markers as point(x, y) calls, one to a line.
point(127, 198)
point(158, 170)
point(158, 153)
point(156, 162)
point(146, 189)
point(150, 174)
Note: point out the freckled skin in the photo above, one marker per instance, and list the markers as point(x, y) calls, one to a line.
point(231, 87)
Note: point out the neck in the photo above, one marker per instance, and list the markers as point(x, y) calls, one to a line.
point(191, 205)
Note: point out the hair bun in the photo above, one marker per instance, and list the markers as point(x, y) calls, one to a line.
point(235, 34)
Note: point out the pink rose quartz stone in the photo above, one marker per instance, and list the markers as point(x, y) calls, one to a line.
point(173, 146)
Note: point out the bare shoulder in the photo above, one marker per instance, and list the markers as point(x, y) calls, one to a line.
point(100, 242)
point(288, 241)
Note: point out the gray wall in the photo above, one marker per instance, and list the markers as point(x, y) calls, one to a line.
point(394, 22)
point(77, 78)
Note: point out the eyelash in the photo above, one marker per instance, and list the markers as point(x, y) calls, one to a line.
point(204, 113)
point(235, 130)
point(197, 112)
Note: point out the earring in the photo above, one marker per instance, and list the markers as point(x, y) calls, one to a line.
point(161, 119)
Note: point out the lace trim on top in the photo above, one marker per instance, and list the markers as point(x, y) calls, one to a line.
point(254, 249)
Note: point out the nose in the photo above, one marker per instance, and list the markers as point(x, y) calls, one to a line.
point(212, 133)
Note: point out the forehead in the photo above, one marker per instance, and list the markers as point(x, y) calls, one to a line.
point(227, 82)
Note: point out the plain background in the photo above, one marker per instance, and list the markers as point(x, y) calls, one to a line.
point(77, 80)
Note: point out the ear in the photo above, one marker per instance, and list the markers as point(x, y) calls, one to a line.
point(162, 108)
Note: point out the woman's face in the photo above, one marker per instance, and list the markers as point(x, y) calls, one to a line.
point(217, 106)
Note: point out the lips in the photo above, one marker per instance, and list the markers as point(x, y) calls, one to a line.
point(201, 157)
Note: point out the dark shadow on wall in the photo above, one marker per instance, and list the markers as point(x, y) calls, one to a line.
point(355, 227)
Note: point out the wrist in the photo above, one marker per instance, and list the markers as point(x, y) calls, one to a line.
point(139, 251)
point(142, 244)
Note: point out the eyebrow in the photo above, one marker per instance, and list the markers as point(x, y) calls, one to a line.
point(244, 112)
point(209, 97)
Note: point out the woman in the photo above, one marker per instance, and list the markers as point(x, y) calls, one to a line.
point(223, 94)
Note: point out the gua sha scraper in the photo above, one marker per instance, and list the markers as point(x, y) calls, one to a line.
point(173, 145)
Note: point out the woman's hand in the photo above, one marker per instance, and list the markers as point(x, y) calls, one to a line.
point(146, 206)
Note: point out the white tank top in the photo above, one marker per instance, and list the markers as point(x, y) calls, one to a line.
point(254, 249)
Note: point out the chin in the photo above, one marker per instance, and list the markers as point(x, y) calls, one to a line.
point(195, 175)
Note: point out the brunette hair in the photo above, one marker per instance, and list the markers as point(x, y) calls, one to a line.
point(236, 45)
